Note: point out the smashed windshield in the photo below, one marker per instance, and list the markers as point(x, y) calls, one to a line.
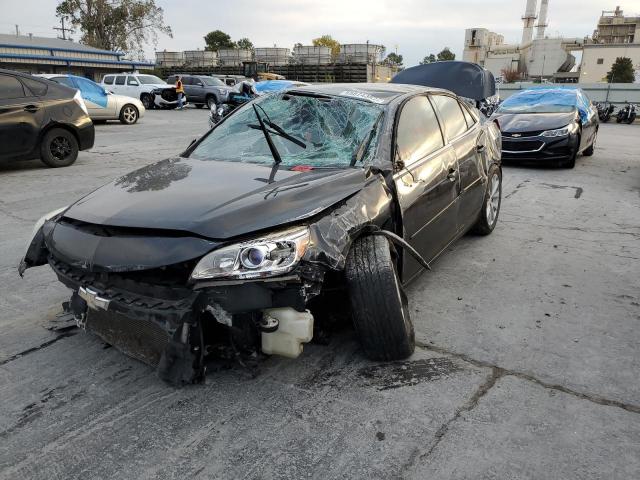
point(333, 130)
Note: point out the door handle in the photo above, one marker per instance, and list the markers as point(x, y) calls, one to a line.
point(31, 108)
point(480, 148)
point(452, 174)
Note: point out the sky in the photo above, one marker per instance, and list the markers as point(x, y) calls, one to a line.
point(415, 27)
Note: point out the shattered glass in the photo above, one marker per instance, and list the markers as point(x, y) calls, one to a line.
point(332, 128)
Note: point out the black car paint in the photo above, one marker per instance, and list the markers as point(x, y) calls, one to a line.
point(521, 135)
point(168, 215)
point(24, 121)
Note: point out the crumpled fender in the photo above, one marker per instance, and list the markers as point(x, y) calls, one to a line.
point(332, 235)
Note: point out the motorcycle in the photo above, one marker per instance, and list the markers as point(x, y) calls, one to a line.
point(627, 114)
point(245, 92)
point(605, 111)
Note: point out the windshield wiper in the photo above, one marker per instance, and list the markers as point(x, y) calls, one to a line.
point(278, 129)
point(364, 145)
point(277, 159)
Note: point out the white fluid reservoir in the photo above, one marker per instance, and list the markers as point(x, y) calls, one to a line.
point(294, 329)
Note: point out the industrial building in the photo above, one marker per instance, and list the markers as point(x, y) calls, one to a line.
point(27, 53)
point(541, 57)
point(356, 62)
point(616, 36)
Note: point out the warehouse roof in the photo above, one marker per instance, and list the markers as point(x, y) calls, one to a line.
point(19, 41)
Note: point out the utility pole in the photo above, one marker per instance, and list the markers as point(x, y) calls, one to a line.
point(17, 30)
point(63, 29)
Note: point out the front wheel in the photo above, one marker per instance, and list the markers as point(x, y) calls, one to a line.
point(491, 206)
point(129, 114)
point(378, 302)
point(147, 101)
point(211, 101)
point(59, 148)
point(589, 151)
point(632, 118)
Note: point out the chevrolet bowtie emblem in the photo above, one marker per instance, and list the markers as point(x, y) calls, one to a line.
point(93, 299)
point(517, 135)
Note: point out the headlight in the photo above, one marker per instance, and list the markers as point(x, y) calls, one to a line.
point(560, 132)
point(44, 218)
point(268, 256)
point(222, 91)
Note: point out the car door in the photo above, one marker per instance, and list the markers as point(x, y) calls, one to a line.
point(21, 114)
point(464, 134)
point(119, 85)
point(426, 182)
point(190, 90)
point(133, 87)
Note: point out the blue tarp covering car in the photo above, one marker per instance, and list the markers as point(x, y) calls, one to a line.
point(544, 100)
point(277, 85)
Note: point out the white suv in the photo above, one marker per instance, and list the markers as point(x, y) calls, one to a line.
point(151, 90)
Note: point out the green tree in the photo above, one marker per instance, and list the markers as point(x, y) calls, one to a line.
point(394, 59)
point(431, 58)
point(124, 25)
point(328, 41)
point(245, 44)
point(446, 54)
point(218, 39)
point(621, 71)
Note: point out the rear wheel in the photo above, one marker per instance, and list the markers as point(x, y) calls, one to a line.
point(147, 101)
point(59, 148)
point(491, 206)
point(378, 302)
point(129, 114)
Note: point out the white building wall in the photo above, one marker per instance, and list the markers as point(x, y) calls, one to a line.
point(545, 57)
point(597, 60)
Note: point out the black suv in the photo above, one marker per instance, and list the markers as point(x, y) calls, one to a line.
point(42, 119)
point(203, 90)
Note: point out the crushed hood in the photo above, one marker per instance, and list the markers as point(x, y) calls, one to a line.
point(214, 199)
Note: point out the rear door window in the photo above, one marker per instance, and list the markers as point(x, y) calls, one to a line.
point(133, 81)
point(108, 80)
point(418, 133)
point(451, 114)
point(120, 79)
point(35, 87)
point(471, 121)
point(10, 87)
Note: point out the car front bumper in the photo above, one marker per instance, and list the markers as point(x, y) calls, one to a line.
point(538, 148)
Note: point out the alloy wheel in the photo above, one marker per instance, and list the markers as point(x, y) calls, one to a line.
point(493, 203)
point(60, 148)
point(130, 115)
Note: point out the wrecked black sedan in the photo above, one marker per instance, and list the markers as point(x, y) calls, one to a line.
point(295, 197)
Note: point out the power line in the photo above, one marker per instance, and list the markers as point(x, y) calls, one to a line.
point(63, 29)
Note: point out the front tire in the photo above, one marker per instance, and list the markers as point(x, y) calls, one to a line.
point(491, 205)
point(378, 302)
point(129, 114)
point(59, 148)
point(147, 101)
point(589, 151)
point(211, 101)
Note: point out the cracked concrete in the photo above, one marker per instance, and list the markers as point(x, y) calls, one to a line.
point(526, 366)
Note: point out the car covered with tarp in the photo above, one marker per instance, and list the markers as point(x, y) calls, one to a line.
point(552, 124)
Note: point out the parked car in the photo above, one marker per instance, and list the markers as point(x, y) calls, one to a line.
point(231, 80)
point(547, 124)
point(102, 105)
point(203, 90)
point(297, 197)
point(149, 89)
point(42, 119)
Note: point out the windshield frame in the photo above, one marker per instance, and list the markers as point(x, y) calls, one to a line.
point(374, 149)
